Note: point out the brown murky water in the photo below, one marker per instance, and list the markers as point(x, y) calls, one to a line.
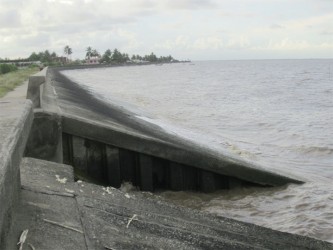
point(278, 113)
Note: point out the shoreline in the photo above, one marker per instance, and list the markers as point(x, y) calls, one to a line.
point(57, 210)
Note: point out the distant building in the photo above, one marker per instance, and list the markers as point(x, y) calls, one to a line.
point(21, 63)
point(93, 60)
point(60, 59)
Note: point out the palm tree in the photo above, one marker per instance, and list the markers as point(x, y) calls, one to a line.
point(89, 52)
point(95, 53)
point(70, 51)
point(106, 58)
point(67, 50)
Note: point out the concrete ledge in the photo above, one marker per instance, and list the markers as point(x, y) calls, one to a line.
point(189, 154)
point(15, 122)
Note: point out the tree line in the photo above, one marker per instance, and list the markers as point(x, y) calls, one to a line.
point(108, 57)
point(116, 56)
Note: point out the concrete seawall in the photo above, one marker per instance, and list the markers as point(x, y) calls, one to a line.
point(84, 117)
point(102, 143)
point(15, 121)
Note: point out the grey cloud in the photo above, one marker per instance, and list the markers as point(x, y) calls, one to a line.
point(327, 33)
point(10, 19)
point(190, 4)
point(276, 26)
point(146, 4)
point(41, 39)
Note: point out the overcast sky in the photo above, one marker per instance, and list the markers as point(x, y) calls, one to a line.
point(186, 29)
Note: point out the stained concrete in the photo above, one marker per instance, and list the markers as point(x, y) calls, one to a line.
point(62, 214)
point(86, 116)
point(45, 140)
point(15, 122)
point(34, 88)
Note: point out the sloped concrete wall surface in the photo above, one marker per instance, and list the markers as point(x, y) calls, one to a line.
point(86, 116)
point(16, 118)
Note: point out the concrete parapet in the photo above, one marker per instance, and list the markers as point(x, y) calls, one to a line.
point(45, 140)
point(15, 122)
point(34, 88)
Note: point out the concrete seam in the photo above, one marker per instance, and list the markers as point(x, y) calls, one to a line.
point(48, 192)
point(81, 221)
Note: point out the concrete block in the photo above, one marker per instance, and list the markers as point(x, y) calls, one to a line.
point(33, 92)
point(45, 140)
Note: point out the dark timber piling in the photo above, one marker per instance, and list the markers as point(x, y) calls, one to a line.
point(111, 165)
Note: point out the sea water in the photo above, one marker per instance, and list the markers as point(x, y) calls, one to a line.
point(277, 113)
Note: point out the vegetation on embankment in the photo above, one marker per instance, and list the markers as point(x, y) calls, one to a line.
point(6, 68)
point(11, 80)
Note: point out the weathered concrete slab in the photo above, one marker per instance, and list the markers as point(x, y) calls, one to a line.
point(47, 177)
point(48, 208)
point(156, 224)
point(80, 215)
point(52, 220)
point(15, 123)
point(85, 116)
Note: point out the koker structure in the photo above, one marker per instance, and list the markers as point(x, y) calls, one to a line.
point(63, 133)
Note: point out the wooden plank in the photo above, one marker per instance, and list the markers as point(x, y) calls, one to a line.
point(176, 176)
point(128, 165)
point(146, 173)
point(207, 181)
point(160, 173)
point(95, 162)
point(234, 183)
point(190, 178)
point(79, 154)
point(67, 149)
point(113, 166)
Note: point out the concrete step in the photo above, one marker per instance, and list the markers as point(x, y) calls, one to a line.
point(47, 209)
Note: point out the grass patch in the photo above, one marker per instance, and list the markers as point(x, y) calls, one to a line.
point(11, 80)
